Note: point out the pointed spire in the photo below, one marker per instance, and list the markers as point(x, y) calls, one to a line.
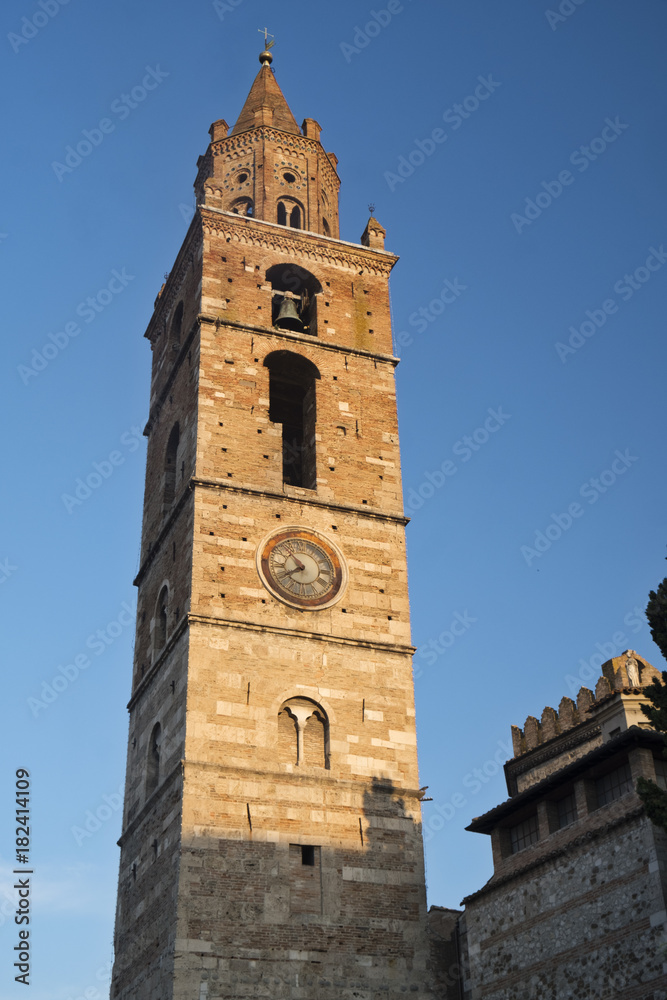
point(266, 104)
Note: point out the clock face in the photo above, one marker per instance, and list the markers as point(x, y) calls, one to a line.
point(302, 568)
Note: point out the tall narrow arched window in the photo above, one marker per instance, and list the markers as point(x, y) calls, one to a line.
point(170, 467)
point(161, 620)
point(295, 218)
point(326, 227)
point(153, 760)
point(292, 404)
point(176, 326)
point(282, 214)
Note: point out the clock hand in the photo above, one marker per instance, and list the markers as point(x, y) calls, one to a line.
point(299, 564)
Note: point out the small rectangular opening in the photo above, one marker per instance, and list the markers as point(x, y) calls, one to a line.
point(308, 855)
point(305, 882)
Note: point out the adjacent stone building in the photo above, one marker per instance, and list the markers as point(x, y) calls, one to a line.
point(576, 907)
point(271, 842)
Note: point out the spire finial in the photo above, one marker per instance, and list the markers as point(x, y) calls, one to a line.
point(371, 208)
point(265, 56)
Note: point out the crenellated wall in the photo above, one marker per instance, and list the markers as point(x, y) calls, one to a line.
point(614, 677)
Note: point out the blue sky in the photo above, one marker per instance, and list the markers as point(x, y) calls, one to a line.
point(534, 201)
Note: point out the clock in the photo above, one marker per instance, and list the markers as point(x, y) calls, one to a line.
point(302, 568)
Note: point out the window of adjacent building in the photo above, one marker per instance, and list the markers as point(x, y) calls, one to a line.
point(566, 811)
point(660, 772)
point(524, 834)
point(292, 404)
point(613, 785)
point(305, 865)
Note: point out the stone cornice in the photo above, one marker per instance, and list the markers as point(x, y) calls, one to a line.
point(322, 777)
point(155, 667)
point(150, 803)
point(296, 243)
point(221, 484)
point(299, 338)
point(315, 776)
point(188, 619)
point(295, 633)
point(214, 484)
point(164, 531)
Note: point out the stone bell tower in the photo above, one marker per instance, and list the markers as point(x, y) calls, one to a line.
point(271, 841)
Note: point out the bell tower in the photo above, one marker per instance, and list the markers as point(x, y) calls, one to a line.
point(271, 842)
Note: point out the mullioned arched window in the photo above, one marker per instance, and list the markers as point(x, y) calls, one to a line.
point(303, 734)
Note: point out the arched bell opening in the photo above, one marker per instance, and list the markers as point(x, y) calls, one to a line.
point(292, 404)
point(294, 303)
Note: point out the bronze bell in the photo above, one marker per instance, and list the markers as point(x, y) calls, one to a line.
point(288, 317)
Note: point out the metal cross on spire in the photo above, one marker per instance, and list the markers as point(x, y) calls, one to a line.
point(267, 44)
